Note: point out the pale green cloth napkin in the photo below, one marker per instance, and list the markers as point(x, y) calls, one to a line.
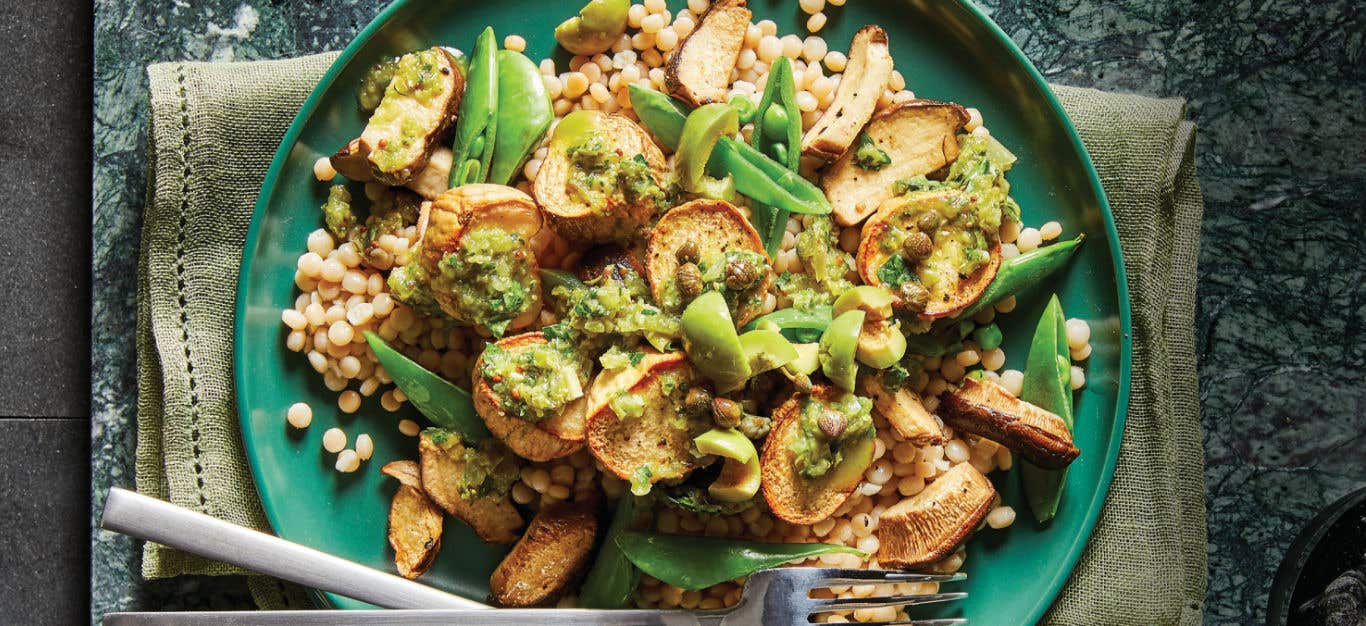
point(215, 127)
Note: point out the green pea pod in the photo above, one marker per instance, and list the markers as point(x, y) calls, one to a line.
point(613, 578)
point(1022, 271)
point(524, 114)
point(476, 129)
point(800, 325)
point(756, 176)
point(443, 403)
point(777, 136)
point(694, 562)
point(703, 128)
point(1047, 384)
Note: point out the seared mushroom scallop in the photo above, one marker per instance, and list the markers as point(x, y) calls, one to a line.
point(814, 457)
point(699, 71)
point(530, 397)
point(549, 558)
point(865, 78)
point(708, 245)
point(418, 107)
point(414, 521)
point(476, 250)
point(986, 409)
point(906, 140)
point(639, 426)
point(603, 178)
point(932, 524)
point(932, 250)
point(903, 409)
point(470, 493)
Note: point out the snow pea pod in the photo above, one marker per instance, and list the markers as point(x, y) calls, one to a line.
point(776, 135)
point(800, 325)
point(613, 578)
point(694, 562)
point(1047, 384)
point(443, 403)
point(476, 129)
point(524, 114)
point(1022, 271)
point(756, 176)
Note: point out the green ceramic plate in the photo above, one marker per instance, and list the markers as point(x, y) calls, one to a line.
point(948, 50)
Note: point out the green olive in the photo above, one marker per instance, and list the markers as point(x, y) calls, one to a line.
point(710, 340)
point(808, 359)
point(596, 27)
point(766, 350)
point(880, 345)
point(838, 347)
point(874, 300)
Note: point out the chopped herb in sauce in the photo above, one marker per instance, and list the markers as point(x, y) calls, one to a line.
point(533, 381)
point(814, 449)
point(487, 277)
point(601, 177)
point(868, 156)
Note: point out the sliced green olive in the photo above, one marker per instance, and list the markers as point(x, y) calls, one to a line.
point(576, 128)
point(876, 301)
point(726, 442)
point(766, 349)
point(712, 345)
point(740, 475)
point(857, 456)
point(838, 347)
point(880, 345)
point(596, 27)
point(808, 358)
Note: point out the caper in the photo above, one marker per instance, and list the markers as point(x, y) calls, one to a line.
point(689, 281)
point(832, 424)
point(914, 298)
point(687, 253)
point(741, 274)
point(726, 413)
point(697, 402)
point(917, 245)
point(927, 222)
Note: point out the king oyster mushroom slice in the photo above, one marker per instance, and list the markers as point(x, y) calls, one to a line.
point(415, 522)
point(865, 78)
point(705, 226)
point(493, 518)
point(554, 437)
point(652, 441)
point(986, 409)
point(699, 71)
point(920, 137)
point(932, 524)
point(904, 410)
point(549, 558)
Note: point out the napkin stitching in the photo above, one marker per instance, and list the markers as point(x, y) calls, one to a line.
point(196, 449)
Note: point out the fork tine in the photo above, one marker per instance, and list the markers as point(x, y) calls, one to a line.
point(870, 576)
point(838, 604)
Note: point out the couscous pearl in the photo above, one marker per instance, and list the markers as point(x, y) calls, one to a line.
point(1078, 333)
point(1001, 517)
point(869, 544)
point(299, 415)
point(956, 451)
point(792, 46)
point(974, 120)
point(321, 243)
point(365, 446)
point(323, 170)
point(340, 333)
point(1050, 231)
point(334, 440)
point(360, 314)
point(635, 15)
point(409, 428)
point(369, 386)
point(575, 83)
point(746, 59)
point(1078, 378)
point(811, 6)
point(698, 6)
point(333, 270)
point(515, 43)
point(835, 61)
point(296, 340)
point(1010, 231)
point(806, 102)
point(656, 6)
point(347, 461)
point(1006, 305)
point(592, 72)
point(666, 39)
point(816, 22)
point(553, 86)
point(652, 23)
point(348, 401)
point(1081, 354)
point(387, 401)
point(1009, 251)
point(293, 319)
point(770, 48)
point(968, 358)
point(349, 366)
point(1029, 240)
point(898, 81)
point(347, 255)
point(317, 361)
point(993, 359)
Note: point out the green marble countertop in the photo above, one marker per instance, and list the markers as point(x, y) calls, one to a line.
point(1275, 86)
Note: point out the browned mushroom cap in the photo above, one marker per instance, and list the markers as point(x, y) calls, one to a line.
point(986, 409)
point(709, 226)
point(953, 292)
point(625, 444)
point(795, 498)
point(903, 409)
point(920, 136)
point(494, 519)
point(865, 79)
point(699, 71)
point(930, 525)
point(549, 558)
point(415, 522)
point(554, 437)
point(577, 220)
point(402, 133)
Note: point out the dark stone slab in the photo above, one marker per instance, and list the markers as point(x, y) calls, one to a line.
point(45, 491)
point(45, 200)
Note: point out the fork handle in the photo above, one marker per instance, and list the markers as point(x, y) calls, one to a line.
point(151, 519)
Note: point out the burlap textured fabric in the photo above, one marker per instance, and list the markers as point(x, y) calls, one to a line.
point(215, 127)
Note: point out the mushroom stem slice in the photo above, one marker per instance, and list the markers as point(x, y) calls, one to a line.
point(699, 71)
point(549, 558)
point(903, 409)
point(415, 522)
point(986, 409)
point(864, 81)
point(932, 524)
point(494, 519)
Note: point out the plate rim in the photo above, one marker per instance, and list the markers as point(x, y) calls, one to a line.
point(1094, 504)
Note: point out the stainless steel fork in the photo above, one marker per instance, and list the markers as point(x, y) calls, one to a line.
point(775, 596)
